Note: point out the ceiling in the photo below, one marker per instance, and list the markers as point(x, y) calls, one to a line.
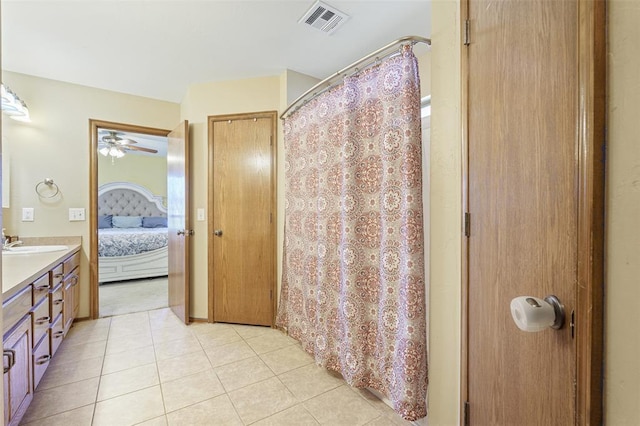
point(157, 48)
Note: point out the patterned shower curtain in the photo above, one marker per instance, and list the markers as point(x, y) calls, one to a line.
point(353, 289)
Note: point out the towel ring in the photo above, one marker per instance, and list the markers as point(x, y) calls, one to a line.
point(52, 186)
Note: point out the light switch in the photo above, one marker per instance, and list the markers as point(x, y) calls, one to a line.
point(200, 212)
point(27, 214)
point(76, 214)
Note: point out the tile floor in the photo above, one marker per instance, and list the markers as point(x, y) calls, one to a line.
point(148, 368)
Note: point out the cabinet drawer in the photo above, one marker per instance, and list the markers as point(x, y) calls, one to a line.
point(16, 307)
point(56, 334)
point(41, 357)
point(57, 274)
point(40, 288)
point(56, 301)
point(70, 263)
point(41, 320)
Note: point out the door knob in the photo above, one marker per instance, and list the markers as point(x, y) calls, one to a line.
point(535, 314)
point(217, 232)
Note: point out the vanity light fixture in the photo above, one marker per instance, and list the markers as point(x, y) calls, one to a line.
point(13, 106)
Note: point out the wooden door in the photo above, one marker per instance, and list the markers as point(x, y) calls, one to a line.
point(526, 199)
point(178, 222)
point(242, 242)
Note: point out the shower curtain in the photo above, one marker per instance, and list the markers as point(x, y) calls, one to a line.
point(353, 289)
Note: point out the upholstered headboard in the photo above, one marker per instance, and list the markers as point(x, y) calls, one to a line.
point(128, 199)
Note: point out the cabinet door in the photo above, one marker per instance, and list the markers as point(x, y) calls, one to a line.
point(76, 293)
point(18, 384)
point(70, 290)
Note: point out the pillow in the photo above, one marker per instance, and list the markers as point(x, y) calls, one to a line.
point(127, 221)
point(154, 222)
point(104, 221)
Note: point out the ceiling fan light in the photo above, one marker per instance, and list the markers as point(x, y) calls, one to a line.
point(119, 154)
point(104, 151)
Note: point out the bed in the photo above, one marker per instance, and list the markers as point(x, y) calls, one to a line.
point(132, 233)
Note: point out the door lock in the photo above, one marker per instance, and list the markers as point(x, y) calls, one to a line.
point(217, 232)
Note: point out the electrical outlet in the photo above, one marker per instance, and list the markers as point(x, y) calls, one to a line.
point(200, 214)
point(76, 214)
point(27, 214)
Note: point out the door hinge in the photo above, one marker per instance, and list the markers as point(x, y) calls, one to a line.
point(270, 294)
point(467, 36)
point(467, 224)
point(466, 420)
point(270, 140)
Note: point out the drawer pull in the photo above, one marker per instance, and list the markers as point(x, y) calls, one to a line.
point(58, 334)
point(42, 287)
point(11, 356)
point(58, 275)
point(58, 302)
point(75, 280)
point(43, 359)
point(42, 320)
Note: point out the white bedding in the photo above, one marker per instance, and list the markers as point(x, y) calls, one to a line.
point(114, 242)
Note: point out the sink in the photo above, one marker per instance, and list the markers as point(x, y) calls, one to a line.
point(32, 249)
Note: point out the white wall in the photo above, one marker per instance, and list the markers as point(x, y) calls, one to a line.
point(56, 145)
point(622, 291)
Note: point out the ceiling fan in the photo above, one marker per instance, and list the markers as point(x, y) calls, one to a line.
point(115, 146)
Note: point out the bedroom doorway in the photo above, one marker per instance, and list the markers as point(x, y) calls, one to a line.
point(130, 219)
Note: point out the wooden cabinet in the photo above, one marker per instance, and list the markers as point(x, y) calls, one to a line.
point(71, 290)
point(18, 384)
point(36, 319)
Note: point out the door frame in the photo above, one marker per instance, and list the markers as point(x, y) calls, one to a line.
point(273, 115)
point(590, 133)
point(94, 126)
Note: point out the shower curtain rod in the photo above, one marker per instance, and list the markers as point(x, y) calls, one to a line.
point(353, 67)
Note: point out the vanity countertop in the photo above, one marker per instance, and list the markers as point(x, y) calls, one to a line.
point(20, 270)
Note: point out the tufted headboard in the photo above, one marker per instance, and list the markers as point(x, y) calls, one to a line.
point(128, 199)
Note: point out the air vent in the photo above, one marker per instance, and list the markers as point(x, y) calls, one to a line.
point(323, 17)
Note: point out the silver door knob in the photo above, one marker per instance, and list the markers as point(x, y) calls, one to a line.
point(535, 314)
point(217, 232)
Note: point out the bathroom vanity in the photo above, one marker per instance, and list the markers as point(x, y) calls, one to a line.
point(40, 299)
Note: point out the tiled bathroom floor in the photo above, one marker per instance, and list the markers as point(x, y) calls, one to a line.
point(148, 368)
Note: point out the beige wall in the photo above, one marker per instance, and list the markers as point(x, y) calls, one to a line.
point(622, 316)
point(56, 145)
point(446, 213)
point(145, 170)
point(202, 100)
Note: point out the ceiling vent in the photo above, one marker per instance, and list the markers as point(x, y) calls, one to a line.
point(323, 17)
